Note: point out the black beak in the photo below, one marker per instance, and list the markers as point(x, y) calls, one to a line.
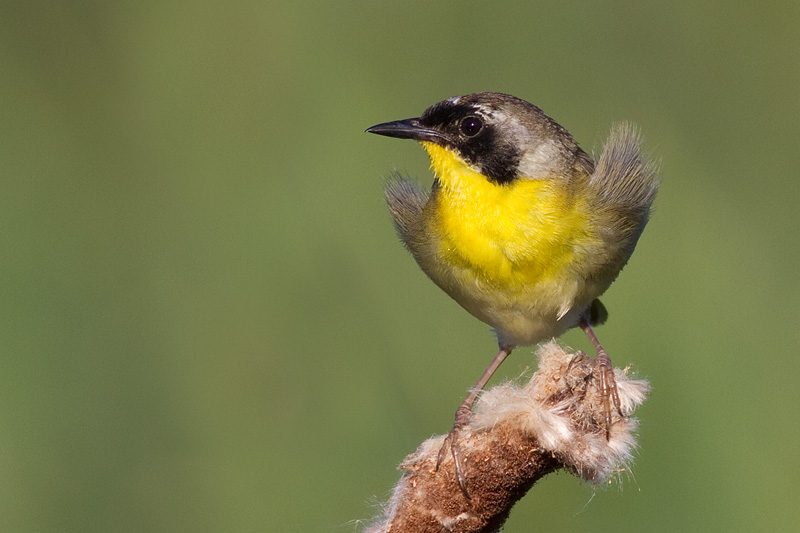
point(409, 128)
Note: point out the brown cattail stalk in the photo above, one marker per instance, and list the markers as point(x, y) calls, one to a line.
point(517, 435)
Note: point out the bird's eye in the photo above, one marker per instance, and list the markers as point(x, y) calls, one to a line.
point(471, 126)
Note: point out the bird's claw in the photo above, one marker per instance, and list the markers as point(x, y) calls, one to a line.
point(451, 444)
point(608, 389)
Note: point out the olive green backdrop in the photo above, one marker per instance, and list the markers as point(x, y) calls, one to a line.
point(209, 325)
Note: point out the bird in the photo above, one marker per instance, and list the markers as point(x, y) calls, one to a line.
point(521, 227)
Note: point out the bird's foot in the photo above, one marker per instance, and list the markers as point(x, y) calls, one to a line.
point(608, 388)
point(608, 384)
point(451, 444)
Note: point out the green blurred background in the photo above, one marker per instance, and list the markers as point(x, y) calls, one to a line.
point(208, 323)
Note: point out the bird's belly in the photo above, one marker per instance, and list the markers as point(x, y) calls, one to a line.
point(523, 310)
point(521, 314)
point(522, 327)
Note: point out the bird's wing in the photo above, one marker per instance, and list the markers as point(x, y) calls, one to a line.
point(406, 202)
point(623, 177)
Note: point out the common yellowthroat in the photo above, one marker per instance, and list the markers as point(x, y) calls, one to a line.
point(522, 228)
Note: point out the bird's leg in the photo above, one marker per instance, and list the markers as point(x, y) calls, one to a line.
point(608, 385)
point(463, 414)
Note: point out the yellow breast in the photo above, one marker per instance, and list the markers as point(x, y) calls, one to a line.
point(521, 257)
point(515, 236)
